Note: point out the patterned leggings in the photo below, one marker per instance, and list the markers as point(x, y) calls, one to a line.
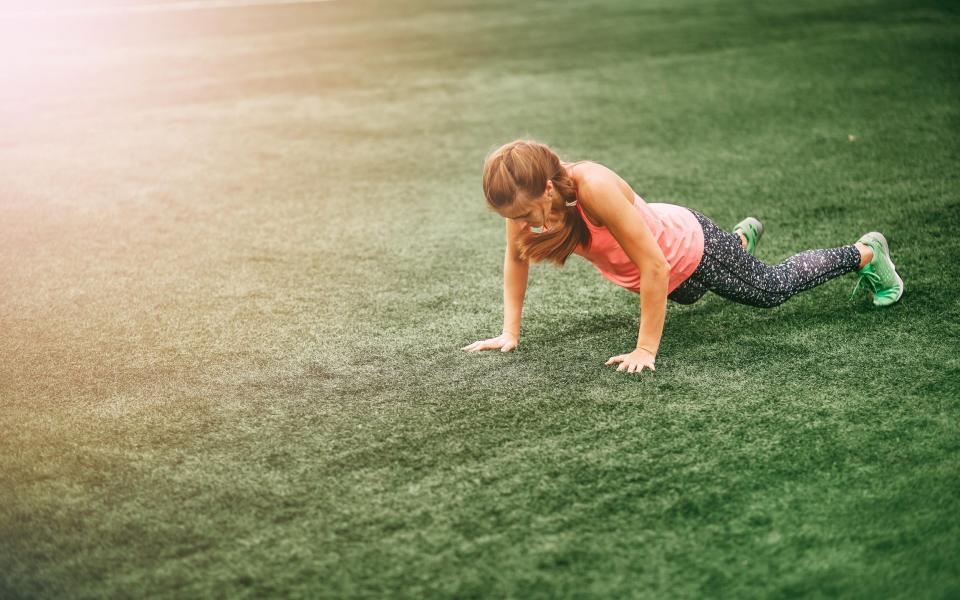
point(730, 271)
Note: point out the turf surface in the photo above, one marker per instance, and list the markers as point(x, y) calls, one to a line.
point(241, 249)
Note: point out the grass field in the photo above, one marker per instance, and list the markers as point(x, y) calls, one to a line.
point(242, 247)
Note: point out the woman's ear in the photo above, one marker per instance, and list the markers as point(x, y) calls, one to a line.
point(551, 192)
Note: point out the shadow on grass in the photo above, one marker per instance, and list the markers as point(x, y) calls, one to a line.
point(714, 318)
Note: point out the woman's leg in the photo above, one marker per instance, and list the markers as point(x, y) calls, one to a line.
point(688, 292)
point(730, 271)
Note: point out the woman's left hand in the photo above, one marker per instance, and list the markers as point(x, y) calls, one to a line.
point(633, 362)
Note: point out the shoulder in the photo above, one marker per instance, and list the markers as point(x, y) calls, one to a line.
point(586, 171)
point(599, 189)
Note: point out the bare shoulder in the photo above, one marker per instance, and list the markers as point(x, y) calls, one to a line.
point(585, 170)
point(597, 186)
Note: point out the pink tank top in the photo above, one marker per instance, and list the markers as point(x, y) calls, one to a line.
point(677, 231)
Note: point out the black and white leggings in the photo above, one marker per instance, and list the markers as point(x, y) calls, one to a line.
point(728, 270)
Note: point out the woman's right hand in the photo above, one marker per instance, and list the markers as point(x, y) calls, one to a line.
point(503, 342)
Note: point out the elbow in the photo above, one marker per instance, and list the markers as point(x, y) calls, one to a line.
point(658, 270)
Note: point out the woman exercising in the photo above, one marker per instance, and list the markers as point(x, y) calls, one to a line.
point(554, 209)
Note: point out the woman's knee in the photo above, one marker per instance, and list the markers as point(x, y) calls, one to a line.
point(682, 295)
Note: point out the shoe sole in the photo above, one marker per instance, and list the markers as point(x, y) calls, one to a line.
point(757, 225)
point(876, 235)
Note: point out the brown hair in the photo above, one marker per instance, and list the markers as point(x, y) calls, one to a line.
point(524, 167)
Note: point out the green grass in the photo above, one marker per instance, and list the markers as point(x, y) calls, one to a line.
point(241, 249)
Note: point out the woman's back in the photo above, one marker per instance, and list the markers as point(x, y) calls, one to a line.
point(678, 234)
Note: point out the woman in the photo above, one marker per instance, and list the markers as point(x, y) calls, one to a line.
point(554, 208)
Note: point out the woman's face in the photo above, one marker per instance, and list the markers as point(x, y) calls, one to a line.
point(536, 212)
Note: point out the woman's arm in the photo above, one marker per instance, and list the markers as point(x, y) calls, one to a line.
point(515, 275)
point(601, 194)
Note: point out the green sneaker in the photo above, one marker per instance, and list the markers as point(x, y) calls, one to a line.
point(752, 229)
point(879, 275)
